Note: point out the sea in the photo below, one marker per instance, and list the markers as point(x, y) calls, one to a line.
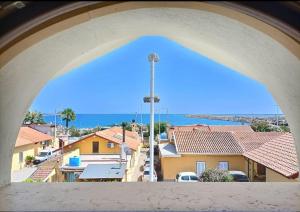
point(94, 120)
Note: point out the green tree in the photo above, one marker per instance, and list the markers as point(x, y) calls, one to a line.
point(74, 132)
point(162, 126)
point(68, 115)
point(261, 126)
point(285, 128)
point(96, 129)
point(33, 118)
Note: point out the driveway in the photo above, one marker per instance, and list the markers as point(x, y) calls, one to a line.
point(136, 174)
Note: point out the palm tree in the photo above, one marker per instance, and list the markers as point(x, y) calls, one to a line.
point(34, 118)
point(68, 115)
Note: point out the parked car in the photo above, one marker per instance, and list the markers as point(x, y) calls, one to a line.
point(43, 156)
point(146, 175)
point(187, 177)
point(239, 176)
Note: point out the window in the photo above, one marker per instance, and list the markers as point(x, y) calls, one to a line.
point(193, 178)
point(20, 157)
point(110, 145)
point(187, 178)
point(200, 167)
point(95, 147)
point(223, 165)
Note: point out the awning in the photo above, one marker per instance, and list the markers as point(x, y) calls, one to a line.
point(103, 171)
point(168, 150)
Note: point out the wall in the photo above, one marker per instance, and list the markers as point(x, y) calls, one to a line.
point(71, 153)
point(171, 166)
point(52, 177)
point(272, 176)
point(30, 149)
point(252, 169)
point(86, 146)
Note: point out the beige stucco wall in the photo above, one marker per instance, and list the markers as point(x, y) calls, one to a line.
point(272, 176)
point(86, 146)
point(28, 150)
point(171, 166)
point(71, 153)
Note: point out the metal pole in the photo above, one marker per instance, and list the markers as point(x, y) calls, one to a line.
point(152, 58)
point(142, 133)
point(158, 124)
point(55, 125)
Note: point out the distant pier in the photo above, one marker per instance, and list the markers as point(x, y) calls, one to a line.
point(245, 118)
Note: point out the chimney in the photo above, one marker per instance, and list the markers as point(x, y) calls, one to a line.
point(122, 145)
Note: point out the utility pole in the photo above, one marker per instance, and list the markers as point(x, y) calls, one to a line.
point(142, 132)
point(55, 126)
point(159, 125)
point(153, 58)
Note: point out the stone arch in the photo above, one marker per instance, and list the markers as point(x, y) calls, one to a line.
point(239, 41)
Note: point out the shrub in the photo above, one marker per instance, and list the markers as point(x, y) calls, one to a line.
point(29, 158)
point(30, 180)
point(216, 175)
point(146, 145)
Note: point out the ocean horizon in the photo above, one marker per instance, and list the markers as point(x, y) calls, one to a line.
point(94, 120)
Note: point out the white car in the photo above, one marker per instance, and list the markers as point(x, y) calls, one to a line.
point(44, 155)
point(186, 177)
point(146, 175)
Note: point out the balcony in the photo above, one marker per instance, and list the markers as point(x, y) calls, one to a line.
point(150, 196)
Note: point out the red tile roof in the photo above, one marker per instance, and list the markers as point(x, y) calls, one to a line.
point(211, 128)
point(190, 127)
point(252, 140)
point(28, 135)
point(278, 154)
point(42, 173)
point(202, 142)
point(115, 134)
point(230, 128)
point(187, 128)
point(275, 150)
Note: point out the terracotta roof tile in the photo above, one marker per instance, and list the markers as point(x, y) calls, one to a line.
point(187, 128)
point(230, 128)
point(253, 140)
point(42, 173)
point(278, 154)
point(28, 135)
point(115, 134)
point(202, 142)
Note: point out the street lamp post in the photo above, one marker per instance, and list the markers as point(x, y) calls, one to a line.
point(153, 58)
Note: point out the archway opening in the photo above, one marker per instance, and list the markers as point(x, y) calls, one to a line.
point(109, 91)
point(202, 29)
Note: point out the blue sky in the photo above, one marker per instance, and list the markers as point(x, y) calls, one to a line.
point(185, 81)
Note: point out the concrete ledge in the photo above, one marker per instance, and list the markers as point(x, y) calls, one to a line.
point(150, 197)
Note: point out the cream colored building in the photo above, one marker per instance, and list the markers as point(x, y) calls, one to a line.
point(263, 156)
point(29, 143)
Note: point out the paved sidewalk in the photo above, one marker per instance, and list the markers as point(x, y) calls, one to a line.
point(22, 174)
point(136, 173)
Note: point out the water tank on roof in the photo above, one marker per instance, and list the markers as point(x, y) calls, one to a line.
point(163, 136)
point(74, 161)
